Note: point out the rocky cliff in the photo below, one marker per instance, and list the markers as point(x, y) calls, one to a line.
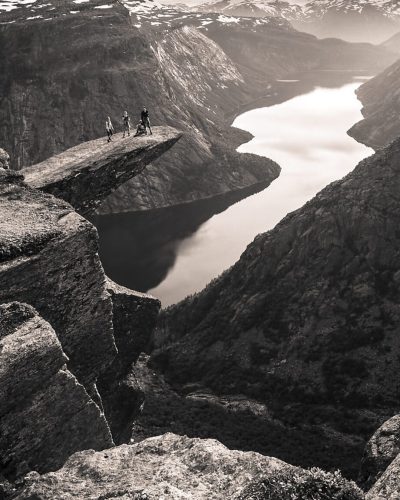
point(190, 71)
point(45, 414)
point(48, 259)
point(86, 174)
point(134, 318)
point(308, 316)
point(51, 406)
point(381, 100)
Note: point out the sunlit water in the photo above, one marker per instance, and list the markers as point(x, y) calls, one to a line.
point(306, 135)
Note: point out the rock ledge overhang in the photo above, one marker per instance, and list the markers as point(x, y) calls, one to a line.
point(86, 174)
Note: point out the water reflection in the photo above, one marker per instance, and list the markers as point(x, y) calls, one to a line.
point(176, 251)
point(138, 249)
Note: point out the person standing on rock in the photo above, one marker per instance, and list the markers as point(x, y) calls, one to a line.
point(126, 123)
point(4, 159)
point(145, 119)
point(109, 129)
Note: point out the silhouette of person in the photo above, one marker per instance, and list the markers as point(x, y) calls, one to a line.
point(109, 129)
point(126, 122)
point(145, 118)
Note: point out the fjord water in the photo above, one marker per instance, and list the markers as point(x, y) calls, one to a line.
point(176, 251)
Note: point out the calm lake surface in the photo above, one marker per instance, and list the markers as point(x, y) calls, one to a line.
point(176, 251)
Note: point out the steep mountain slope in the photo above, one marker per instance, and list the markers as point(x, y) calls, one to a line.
point(381, 100)
point(309, 314)
point(393, 44)
point(185, 67)
point(52, 101)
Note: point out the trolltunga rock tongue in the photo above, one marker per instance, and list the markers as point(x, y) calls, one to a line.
point(86, 174)
point(45, 414)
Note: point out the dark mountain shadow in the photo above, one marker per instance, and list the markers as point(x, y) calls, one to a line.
point(138, 249)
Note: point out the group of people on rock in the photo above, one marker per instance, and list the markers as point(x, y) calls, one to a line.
point(141, 128)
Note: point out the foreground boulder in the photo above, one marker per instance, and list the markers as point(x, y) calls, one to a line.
point(381, 450)
point(172, 467)
point(164, 467)
point(45, 414)
point(86, 174)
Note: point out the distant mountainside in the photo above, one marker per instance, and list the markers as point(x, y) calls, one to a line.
point(352, 20)
point(254, 8)
point(308, 317)
point(381, 100)
point(393, 43)
point(191, 70)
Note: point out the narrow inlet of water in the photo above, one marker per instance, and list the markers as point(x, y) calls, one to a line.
point(176, 251)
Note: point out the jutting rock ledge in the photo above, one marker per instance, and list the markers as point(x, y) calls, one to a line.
point(86, 174)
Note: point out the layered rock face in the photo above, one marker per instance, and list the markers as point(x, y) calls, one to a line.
point(309, 314)
point(86, 174)
point(381, 450)
point(134, 318)
point(48, 258)
point(381, 100)
point(45, 414)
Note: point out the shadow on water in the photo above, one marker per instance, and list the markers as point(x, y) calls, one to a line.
point(138, 249)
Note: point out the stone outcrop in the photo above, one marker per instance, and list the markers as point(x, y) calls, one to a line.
point(172, 467)
point(169, 466)
point(388, 485)
point(86, 174)
point(381, 450)
point(309, 314)
point(134, 318)
point(45, 414)
point(381, 100)
point(48, 259)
